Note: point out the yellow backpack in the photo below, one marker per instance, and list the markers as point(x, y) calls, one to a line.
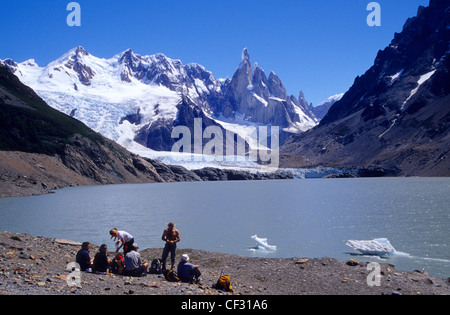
point(171, 275)
point(224, 283)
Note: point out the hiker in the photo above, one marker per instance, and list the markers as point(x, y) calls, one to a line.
point(83, 258)
point(123, 238)
point(101, 261)
point(133, 263)
point(188, 272)
point(171, 236)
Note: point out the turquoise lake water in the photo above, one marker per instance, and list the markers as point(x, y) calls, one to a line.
point(302, 218)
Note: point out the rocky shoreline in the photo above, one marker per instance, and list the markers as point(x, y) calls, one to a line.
point(34, 265)
point(29, 174)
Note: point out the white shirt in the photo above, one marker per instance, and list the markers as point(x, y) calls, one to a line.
point(125, 235)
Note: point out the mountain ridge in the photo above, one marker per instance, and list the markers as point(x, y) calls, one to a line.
point(42, 149)
point(395, 116)
point(130, 96)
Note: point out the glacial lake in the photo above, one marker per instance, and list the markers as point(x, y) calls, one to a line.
point(302, 218)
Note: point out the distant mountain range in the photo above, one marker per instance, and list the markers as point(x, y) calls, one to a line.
point(42, 149)
point(138, 100)
point(395, 118)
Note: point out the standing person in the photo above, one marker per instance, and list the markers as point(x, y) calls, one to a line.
point(83, 258)
point(171, 236)
point(133, 263)
point(101, 261)
point(125, 239)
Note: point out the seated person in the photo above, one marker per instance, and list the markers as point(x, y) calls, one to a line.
point(101, 261)
point(188, 272)
point(133, 263)
point(83, 258)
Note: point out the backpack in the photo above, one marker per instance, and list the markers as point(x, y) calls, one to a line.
point(224, 283)
point(171, 275)
point(155, 267)
point(118, 265)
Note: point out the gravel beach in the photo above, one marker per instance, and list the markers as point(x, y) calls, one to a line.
point(34, 265)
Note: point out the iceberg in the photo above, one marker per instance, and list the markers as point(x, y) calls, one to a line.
point(262, 244)
point(376, 247)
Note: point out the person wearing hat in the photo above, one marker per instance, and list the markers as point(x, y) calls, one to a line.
point(188, 272)
point(133, 263)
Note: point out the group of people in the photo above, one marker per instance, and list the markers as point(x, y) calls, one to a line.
point(130, 264)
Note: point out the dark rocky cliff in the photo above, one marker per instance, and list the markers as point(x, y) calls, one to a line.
point(396, 115)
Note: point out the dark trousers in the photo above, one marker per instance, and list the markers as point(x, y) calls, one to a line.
point(194, 277)
point(169, 248)
point(138, 272)
point(127, 247)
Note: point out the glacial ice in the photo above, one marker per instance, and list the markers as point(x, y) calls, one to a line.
point(376, 247)
point(262, 245)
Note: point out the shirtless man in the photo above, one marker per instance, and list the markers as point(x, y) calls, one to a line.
point(171, 236)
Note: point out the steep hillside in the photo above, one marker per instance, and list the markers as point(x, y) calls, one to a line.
point(42, 149)
point(396, 116)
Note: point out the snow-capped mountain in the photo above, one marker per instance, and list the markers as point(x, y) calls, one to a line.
point(262, 99)
point(396, 116)
point(322, 109)
point(134, 99)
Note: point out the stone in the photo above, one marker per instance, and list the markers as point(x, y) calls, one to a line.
point(352, 262)
point(67, 242)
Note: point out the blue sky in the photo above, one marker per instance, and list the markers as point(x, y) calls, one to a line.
point(315, 46)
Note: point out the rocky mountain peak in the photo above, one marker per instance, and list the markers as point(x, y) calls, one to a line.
point(439, 4)
point(245, 55)
point(80, 51)
point(9, 63)
point(245, 69)
point(263, 99)
point(276, 87)
point(396, 115)
point(75, 61)
point(127, 56)
point(302, 99)
point(412, 59)
point(131, 65)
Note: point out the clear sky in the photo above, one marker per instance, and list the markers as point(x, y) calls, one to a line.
point(316, 46)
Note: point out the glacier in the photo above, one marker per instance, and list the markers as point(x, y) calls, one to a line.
point(103, 93)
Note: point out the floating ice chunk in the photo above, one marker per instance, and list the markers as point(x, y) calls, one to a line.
point(376, 247)
point(263, 245)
